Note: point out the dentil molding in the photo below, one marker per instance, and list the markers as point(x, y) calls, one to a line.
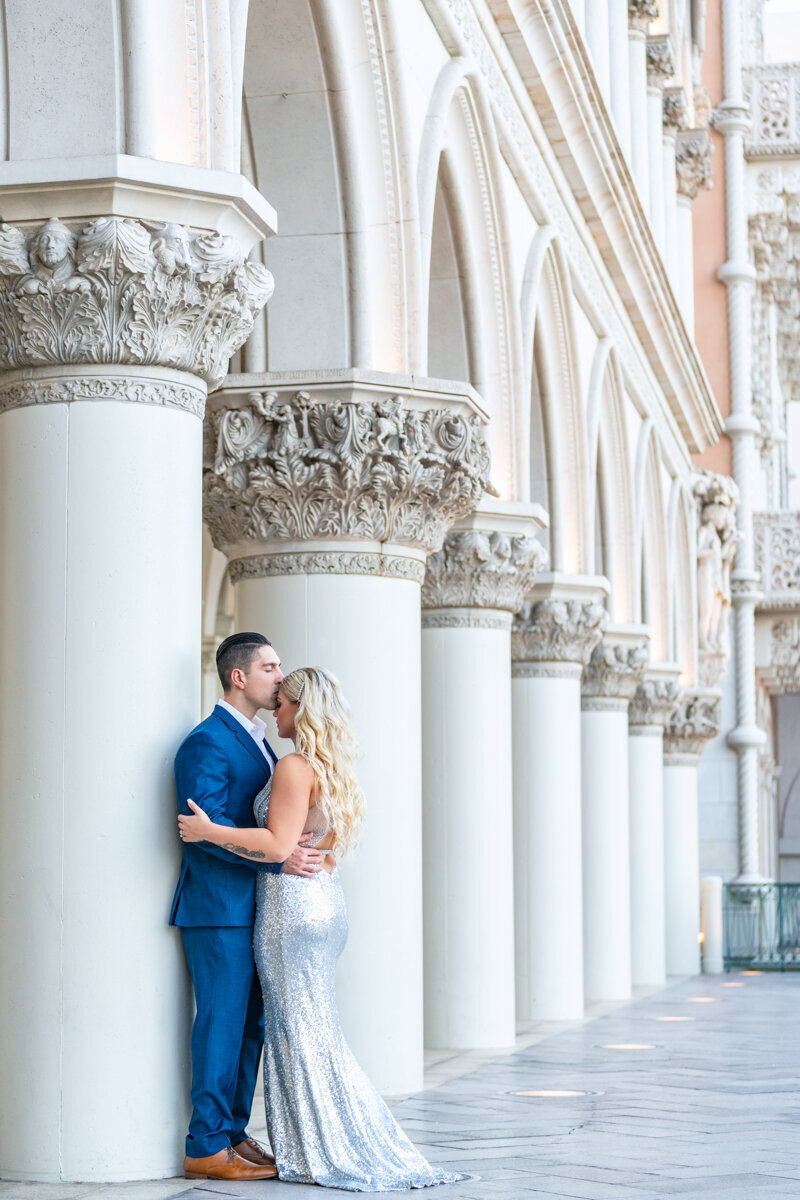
point(289, 466)
point(557, 631)
point(116, 291)
point(478, 568)
point(696, 719)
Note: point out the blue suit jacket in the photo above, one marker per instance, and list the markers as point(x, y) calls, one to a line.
point(219, 766)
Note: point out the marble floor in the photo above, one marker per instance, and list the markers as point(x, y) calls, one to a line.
point(691, 1091)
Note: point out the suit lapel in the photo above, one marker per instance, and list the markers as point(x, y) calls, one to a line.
point(244, 739)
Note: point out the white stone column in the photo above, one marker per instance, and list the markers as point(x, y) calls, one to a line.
point(111, 333)
point(651, 707)
point(660, 68)
point(732, 119)
point(597, 36)
point(674, 119)
point(693, 167)
point(472, 587)
point(619, 70)
point(694, 722)
point(609, 682)
point(318, 498)
point(552, 639)
point(640, 13)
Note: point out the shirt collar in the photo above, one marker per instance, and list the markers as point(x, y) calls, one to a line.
point(256, 728)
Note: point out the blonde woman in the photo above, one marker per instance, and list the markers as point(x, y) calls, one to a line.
point(326, 1123)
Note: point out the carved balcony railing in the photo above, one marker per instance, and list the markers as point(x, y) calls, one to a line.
point(772, 92)
point(762, 926)
point(777, 558)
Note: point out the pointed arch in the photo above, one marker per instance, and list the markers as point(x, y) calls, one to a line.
point(611, 483)
point(556, 429)
point(652, 546)
point(683, 578)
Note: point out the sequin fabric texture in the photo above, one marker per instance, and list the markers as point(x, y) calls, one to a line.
point(326, 1122)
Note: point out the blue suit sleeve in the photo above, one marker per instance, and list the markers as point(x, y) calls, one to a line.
point(201, 774)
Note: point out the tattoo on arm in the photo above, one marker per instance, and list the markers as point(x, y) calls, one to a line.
point(234, 849)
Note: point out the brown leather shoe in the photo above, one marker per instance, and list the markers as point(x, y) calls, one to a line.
point(226, 1165)
point(254, 1153)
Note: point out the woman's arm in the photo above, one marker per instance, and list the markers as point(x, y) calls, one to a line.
point(292, 784)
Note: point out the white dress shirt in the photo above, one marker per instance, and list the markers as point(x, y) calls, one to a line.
point(256, 728)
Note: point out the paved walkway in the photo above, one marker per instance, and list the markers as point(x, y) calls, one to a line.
point(691, 1092)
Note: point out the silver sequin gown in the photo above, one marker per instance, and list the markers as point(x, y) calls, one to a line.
point(326, 1122)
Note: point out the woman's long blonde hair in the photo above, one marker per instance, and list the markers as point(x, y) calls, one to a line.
point(325, 738)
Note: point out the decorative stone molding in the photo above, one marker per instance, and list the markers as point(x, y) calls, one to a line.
point(478, 568)
point(114, 291)
point(469, 618)
point(696, 719)
point(334, 562)
point(777, 558)
point(675, 110)
point(772, 95)
point(641, 13)
point(776, 255)
point(653, 703)
point(693, 150)
point(660, 60)
point(134, 386)
point(614, 671)
point(546, 670)
point(782, 676)
point(551, 631)
point(717, 538)
point(292, 467)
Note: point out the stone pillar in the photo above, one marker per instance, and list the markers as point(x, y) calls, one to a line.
point(732, 119)
point(111, 332)
point(618, 69)
point(640, 14)
point(609, 683)
point(674, 119)
point(651, 707)
point(660, 68)
point(326, 501)
point(552, 638)
point(693, 166)
point(473, 586)
point(694, 722)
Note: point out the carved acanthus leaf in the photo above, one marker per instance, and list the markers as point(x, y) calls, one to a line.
point(557, 631)
point(675, 109)
point(641, 13)
point(292, 467)
point(693, 150)
point(697, 719)
point(116, 291)
point(482, 569)
point(654, 702)
point(660, 61)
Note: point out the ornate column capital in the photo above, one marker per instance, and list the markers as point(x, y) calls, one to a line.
point(490, 566)
point(114, 292)
point(340, 479)
point(696, 719)
point(556, 637)
point(675, 110)
point(641, 13)
point(615, 669)
point(660, 60)
point(653, 703)
point(693, 150)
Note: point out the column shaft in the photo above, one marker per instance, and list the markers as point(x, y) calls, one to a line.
point(467, 835)
point(619, 70)
point(597, 35)
point(685, 260)
point(655, 158)
point(681, 865)
point(646, 855)
point(100, 542)
point(637, 74)
point(547, 841)
point(671, 248)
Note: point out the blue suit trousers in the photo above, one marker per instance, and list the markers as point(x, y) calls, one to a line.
point(227, 1035)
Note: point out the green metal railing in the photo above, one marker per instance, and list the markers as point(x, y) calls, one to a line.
point(762, 925)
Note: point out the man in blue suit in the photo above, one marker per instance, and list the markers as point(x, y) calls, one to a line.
point(222, 765)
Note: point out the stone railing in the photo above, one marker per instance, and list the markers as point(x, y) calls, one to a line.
point(772, 93)
point(777, 558)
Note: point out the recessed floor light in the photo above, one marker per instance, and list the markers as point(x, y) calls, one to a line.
point(735, 983)
point(552, 1093)
point(751, 972)
point(674, 1018)
point(626, 1046)
point(703, 999)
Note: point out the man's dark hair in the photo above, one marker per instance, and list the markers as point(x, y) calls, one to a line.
point(237, 651)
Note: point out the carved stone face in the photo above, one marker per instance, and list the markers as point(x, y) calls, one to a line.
point(52, 244)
